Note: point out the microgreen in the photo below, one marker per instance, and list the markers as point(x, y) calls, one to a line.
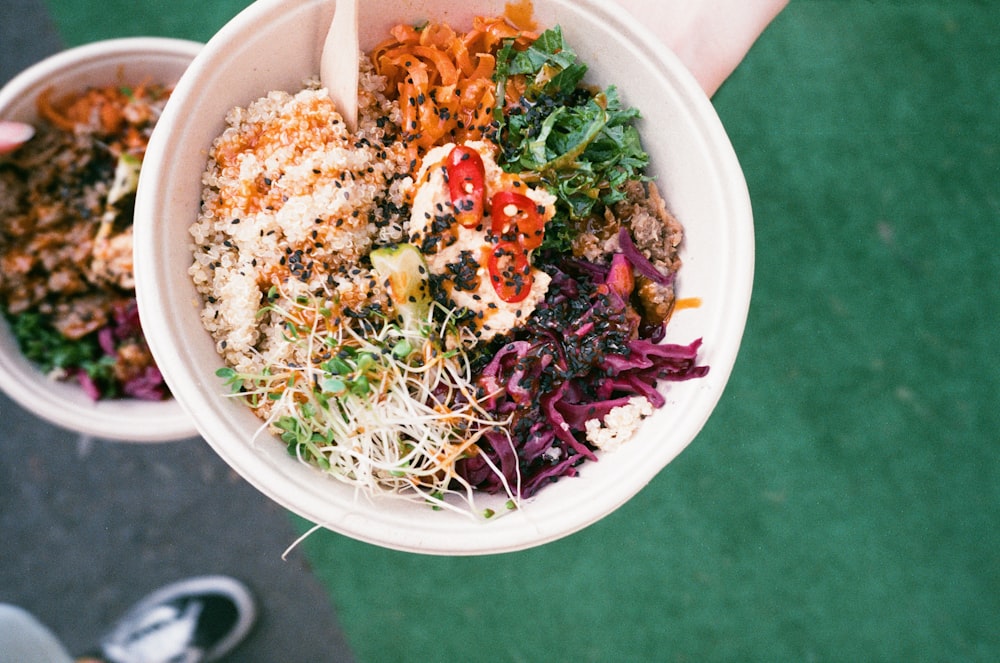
point(387, 407)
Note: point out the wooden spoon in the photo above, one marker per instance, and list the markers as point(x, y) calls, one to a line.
point(338, 63)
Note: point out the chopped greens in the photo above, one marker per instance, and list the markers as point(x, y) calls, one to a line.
point(583, 145)
point(54, 353)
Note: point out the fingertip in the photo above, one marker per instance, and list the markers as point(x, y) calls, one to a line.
point(14, 134)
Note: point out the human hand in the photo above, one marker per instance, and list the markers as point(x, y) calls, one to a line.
point(711, 37)
point(13, 135)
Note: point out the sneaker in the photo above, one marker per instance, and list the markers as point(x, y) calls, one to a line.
point(192, 621)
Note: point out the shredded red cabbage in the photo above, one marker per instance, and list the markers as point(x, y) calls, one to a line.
point(145, 383)
point(641, 262)
point(582, 353)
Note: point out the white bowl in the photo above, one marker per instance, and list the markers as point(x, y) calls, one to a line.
point(275, 45)
point(65, 404)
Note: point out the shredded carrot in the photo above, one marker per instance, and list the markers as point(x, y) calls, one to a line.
point(111, 111)
point(51, 114)
point(445, 80)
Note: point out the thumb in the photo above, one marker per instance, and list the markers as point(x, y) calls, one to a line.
point(13, 135)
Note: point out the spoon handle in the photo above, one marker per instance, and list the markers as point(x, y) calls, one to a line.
point(338, 67)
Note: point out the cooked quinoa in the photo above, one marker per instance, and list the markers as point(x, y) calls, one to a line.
point(292, 201)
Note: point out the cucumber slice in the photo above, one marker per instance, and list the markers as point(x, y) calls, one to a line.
point(404, 270)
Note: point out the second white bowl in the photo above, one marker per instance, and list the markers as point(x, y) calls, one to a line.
point(127, 60)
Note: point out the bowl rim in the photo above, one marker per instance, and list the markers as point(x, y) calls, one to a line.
point(95, 51)
point(62, 404)
point(510, 533)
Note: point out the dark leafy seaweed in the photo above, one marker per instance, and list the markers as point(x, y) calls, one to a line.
point(579, 357)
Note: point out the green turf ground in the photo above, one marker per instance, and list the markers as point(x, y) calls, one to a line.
point(843, 502)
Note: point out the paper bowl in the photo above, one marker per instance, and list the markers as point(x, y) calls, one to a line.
point(275, 45)
point(65, 404)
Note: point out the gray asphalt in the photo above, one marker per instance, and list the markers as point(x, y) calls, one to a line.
point(89, 526)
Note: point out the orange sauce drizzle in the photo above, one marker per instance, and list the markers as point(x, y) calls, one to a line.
point(687, 302)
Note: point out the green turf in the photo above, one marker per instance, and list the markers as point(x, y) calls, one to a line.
point(82, 21)
point(842, 503)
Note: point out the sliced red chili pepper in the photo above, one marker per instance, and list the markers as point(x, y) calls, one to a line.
point(466, 184)
point(510, 271)
point(515, 213)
